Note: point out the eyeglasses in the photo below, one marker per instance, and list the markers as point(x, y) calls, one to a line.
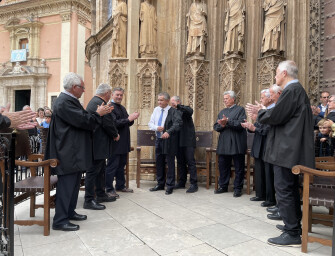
point(326, 97)
point(80, 86)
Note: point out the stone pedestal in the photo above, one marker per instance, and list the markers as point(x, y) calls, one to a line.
point(266, 70)
point(197, 90)
point(232, 77)
point(148, 83)
point(117, 75)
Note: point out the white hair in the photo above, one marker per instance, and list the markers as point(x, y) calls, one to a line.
point(266, 92)
point(276, 88)
point(176, 98)
point(230, 93)
point(71, 79)
point(290, 67)
point(102, 89)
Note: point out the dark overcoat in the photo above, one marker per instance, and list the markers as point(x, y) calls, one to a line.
point(4, 122)
point(331, 116)
point(290, 140)
point(172, 125)
point(233, 137)
point(104, 133)
point(69, 138)
point(187, 131)
point(122, 124)
point(259, 143)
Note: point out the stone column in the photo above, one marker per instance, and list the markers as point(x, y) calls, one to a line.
point(148, 84)
point(118, 74)
point(197, 90)
point(266, 70)
point(232, 77)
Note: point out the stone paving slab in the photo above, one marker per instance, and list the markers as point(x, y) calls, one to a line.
point(151, 223)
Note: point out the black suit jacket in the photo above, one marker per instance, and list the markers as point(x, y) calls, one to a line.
point(172, 125)
point(122, 124)
point(187, 131)
point(70, 135)
point(103, 133)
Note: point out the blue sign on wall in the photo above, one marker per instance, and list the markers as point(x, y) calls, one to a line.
point(19, 55)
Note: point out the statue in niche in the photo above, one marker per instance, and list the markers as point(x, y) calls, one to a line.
point(274, 34)
point(197, 29)
point(119, 30)
point(234, 27)
point(148, 31)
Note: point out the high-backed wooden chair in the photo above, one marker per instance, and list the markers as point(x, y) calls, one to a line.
point(145, 138)
point(204, 139)
point(32, 184)
point(315, 196)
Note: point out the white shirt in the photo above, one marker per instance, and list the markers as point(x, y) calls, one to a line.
point(153, 123)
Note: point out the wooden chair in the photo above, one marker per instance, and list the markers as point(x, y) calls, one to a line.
point(315, 196)
point(204, 139)
point(126, 170)
point(145, 138)
point(32, 185)
point(249, 165)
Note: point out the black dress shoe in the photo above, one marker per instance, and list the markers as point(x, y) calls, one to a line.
point(281, 228)
point(179, 186)
point(168, 191)
point(272, 209)
point(256, 199)
point(105, 198)
point(237, 193)
point(275, 216)
point(156, 188)
point(220, 190)
point(78, 217)
point(285, 239)
point(93, 205)
point(66, 227)
point(268, 204)
point(193, 188)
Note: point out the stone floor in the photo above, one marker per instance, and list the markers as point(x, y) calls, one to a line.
point(151, 223)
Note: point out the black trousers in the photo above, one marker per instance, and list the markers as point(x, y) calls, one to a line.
point(160, 166)
point(185, 159)
point(270, 194)
point(260, 177)
point(115, 169)
point(66, 197)
point(95, 177)
point(225, 170)
point(288, 198)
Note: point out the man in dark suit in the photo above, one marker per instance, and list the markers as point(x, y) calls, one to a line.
point(185, 156)
point(120, 149)
point(263, 171)
point(331, 108)
point(290, 142)
point(69, 141)
point(166, 121)
point(324, 103)
point(232, 143)
point(103, 135)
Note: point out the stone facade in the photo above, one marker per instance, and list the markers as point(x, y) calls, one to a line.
point(55, 32)
point(309, 40)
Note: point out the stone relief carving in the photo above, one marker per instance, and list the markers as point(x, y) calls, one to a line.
point(234, 27)
point(148, 74)
point(117, 74)
point(232, 76)
point(17, 69)
point(197, 29)
point(119, 30)
point(273, 40)
point(266, 69)
point(197, 79)
point(314, 52)
point(148, 30)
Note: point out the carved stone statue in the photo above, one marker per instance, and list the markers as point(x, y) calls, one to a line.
point(148, 31)
point(197, 29)
point(17, 69)
point(119, 31)
point(234, 27)
point(274, 34)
